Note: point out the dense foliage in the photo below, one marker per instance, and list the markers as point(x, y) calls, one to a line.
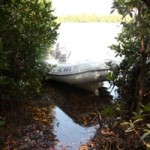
point(132, 76)
point(27, 29)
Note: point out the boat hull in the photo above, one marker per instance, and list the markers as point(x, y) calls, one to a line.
point(89, 76)
point(80, 78)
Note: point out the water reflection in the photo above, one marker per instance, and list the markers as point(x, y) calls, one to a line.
point(71, 135)
point(76, 113)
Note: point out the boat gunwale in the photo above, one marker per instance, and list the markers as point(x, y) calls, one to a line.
point(75, 73)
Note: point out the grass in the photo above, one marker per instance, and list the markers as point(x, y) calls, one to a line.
point(92, 18)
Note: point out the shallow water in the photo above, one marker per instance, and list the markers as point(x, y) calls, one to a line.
point(70, 134)
point(75, 114)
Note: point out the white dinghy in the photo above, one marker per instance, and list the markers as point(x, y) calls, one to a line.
point(86, 75)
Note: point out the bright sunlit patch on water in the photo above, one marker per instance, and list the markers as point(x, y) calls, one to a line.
point(111, 89)
point(88, 41)
point(70, 134)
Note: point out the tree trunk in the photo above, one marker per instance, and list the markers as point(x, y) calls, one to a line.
point(143, 56)
point(142, 78)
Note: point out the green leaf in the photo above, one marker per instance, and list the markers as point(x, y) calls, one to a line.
point(128, 1)
point(138, 120)
point(145, 135)
point(132, 125)
point(125, 123)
